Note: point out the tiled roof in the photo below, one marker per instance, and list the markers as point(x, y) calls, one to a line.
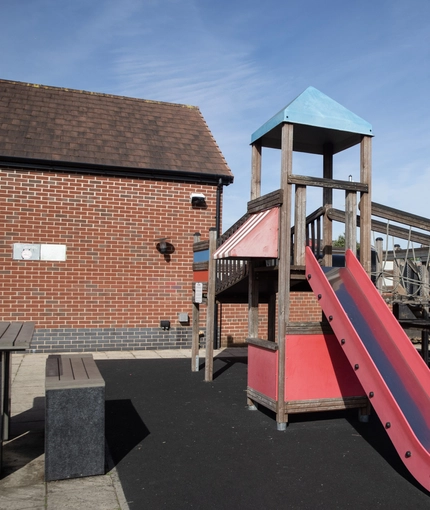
point(59, 126)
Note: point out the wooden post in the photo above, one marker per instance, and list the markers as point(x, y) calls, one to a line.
point(300, 226)
point(252, 300)
point(425, 295)
point(396, 269)
point(327, 203)
point(271, 319)
point(318, 249)
point(256, 170)
point(425, 281)
point(284, 266)
point(210, 313)
point(365, 204)
point(351, 221)
point(312, 238)
point(195, 338)
point(379, 264)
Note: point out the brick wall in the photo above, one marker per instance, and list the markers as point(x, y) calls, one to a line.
point(114, 287)
point(234, 318)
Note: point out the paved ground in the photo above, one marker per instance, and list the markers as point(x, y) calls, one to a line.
point(178, 442)
point(22, 483)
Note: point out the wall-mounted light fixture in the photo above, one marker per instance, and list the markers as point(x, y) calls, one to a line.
point(183, 318)
point(198, 200)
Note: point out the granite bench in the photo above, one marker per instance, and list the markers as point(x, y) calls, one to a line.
point(74, 417)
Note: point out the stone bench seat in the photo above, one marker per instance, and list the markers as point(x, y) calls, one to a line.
point(74, 417)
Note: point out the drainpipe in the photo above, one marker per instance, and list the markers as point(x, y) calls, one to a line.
point(218, 231)
point(218, 207)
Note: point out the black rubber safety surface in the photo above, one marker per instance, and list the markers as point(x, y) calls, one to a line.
point(179, 442)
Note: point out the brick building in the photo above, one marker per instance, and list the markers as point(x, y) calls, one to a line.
point(97, 216)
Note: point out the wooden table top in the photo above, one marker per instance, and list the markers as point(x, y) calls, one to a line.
point(16, 336)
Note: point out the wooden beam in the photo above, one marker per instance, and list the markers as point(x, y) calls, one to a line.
point(256, 170)
point(351, 221)
point(365, 204)
point(200, 245)
point(309, 328)
point(392, 214)
point(300, 225)
point(284, 265)
point(327, 183)
point(252, 300)
point(195, 341)
point(385, 228)
point(260, 342)
point(268, 201)
point(425, 280)
point(401, 233)
point(200, 266)
point(379, 263)
point(271, 319)
point(210, 313)
point(327, 203)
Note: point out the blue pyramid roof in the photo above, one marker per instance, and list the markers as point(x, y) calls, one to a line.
point(319, 120)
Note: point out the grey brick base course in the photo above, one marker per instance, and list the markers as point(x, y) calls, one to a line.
point(110, 339)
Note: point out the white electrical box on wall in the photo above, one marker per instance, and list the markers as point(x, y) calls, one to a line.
point(53, 252)
point(23, 251)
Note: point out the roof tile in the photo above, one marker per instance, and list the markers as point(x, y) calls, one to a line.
point(85, 128)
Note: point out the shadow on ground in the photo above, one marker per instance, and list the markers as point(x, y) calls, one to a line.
point(125, 429)
point(222, 364)
point(27, 439)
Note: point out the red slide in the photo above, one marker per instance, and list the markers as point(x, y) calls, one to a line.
point(391, 371)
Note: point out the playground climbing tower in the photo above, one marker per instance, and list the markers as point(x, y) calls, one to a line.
point(276, 228)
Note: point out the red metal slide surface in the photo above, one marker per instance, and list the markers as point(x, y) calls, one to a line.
point(391, 371)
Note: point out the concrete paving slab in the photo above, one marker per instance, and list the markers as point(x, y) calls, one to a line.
point(18, 475)
point(22, 404)
point(91, 493)
point(31, 497)
point(32, 359)
point(119, 355)
point(172, 353)
point(24, 397)
point(31, 375)
point(146, 354)
point(100, 355)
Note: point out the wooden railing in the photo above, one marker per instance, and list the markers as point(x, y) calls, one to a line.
point(407, 226)
point(314, 232)
point(229, 272)
point(410, 273)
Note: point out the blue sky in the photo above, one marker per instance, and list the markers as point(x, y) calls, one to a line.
point(241, 62)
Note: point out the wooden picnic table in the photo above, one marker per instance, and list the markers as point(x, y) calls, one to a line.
point(14, 336)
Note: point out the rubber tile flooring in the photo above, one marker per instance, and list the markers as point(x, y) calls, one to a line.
point(179, 442)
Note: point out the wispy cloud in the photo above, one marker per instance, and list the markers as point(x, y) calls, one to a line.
point(241, 62)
